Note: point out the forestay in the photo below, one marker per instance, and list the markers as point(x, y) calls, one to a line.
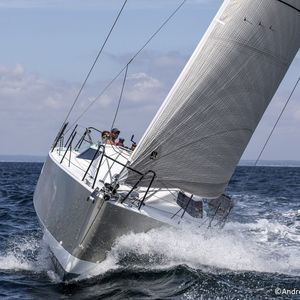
point(201, 130)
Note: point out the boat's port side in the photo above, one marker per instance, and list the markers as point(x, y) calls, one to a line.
point(84, 205)
point(60, 201)
point(78, 227)
point(66, 265)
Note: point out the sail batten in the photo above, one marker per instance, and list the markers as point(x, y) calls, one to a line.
point(210, 114)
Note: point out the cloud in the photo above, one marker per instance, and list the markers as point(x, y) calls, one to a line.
point(14, 71)
point(164, 66)
point(32, 108)
point(141, 87)
point(21, 90)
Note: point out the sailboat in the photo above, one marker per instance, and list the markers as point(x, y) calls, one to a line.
point(89, 192)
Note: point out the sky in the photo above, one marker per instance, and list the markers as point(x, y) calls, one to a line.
point(47, 48)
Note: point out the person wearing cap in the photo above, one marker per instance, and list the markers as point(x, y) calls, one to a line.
point(114, 135)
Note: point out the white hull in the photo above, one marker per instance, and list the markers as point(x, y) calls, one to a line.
point(80, 231)
point(65, 263)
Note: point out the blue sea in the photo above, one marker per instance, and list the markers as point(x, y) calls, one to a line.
point(255, 256)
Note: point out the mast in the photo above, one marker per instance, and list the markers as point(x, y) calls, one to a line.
point(204, 125)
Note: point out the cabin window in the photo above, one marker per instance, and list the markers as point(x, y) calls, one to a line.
point(192, 207)
point(89, 154)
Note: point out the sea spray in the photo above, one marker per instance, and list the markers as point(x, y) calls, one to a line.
point(238, 247)
point(26, 253)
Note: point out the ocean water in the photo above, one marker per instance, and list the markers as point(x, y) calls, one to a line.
point(255, 256)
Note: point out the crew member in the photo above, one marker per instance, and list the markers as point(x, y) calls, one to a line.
point(105, 136)
point(114, 135)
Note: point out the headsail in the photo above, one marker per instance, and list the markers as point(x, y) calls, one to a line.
point(201, 130)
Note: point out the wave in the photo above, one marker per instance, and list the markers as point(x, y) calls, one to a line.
point(197, 250)
point(262, 246)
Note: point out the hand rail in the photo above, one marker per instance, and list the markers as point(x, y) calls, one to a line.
point(149, 186)
point(87, 170)
point(70, 143)
point(99, 166)
point(71, 135)
point(59, 136)
point(124, 165)
point(137, 183)
point(91, 127)
point(61, 144)
point(86, 132)
point(78, 145)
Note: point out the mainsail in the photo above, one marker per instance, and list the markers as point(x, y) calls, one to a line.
point(204, 125)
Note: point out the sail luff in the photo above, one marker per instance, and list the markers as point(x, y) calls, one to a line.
point(201, 130)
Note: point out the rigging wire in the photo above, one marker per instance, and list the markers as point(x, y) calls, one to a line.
point(246, 129)
point(95, 61)
point(250, 174)
point(133, 57)
point(120, 98)
point(278, 119)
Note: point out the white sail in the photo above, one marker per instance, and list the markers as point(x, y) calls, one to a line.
point(201, 130)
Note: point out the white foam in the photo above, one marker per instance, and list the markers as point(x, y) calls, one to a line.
point(264, 246)
point(25, 254)
point(238, 247)
point(11, 262)
point(109, 264)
